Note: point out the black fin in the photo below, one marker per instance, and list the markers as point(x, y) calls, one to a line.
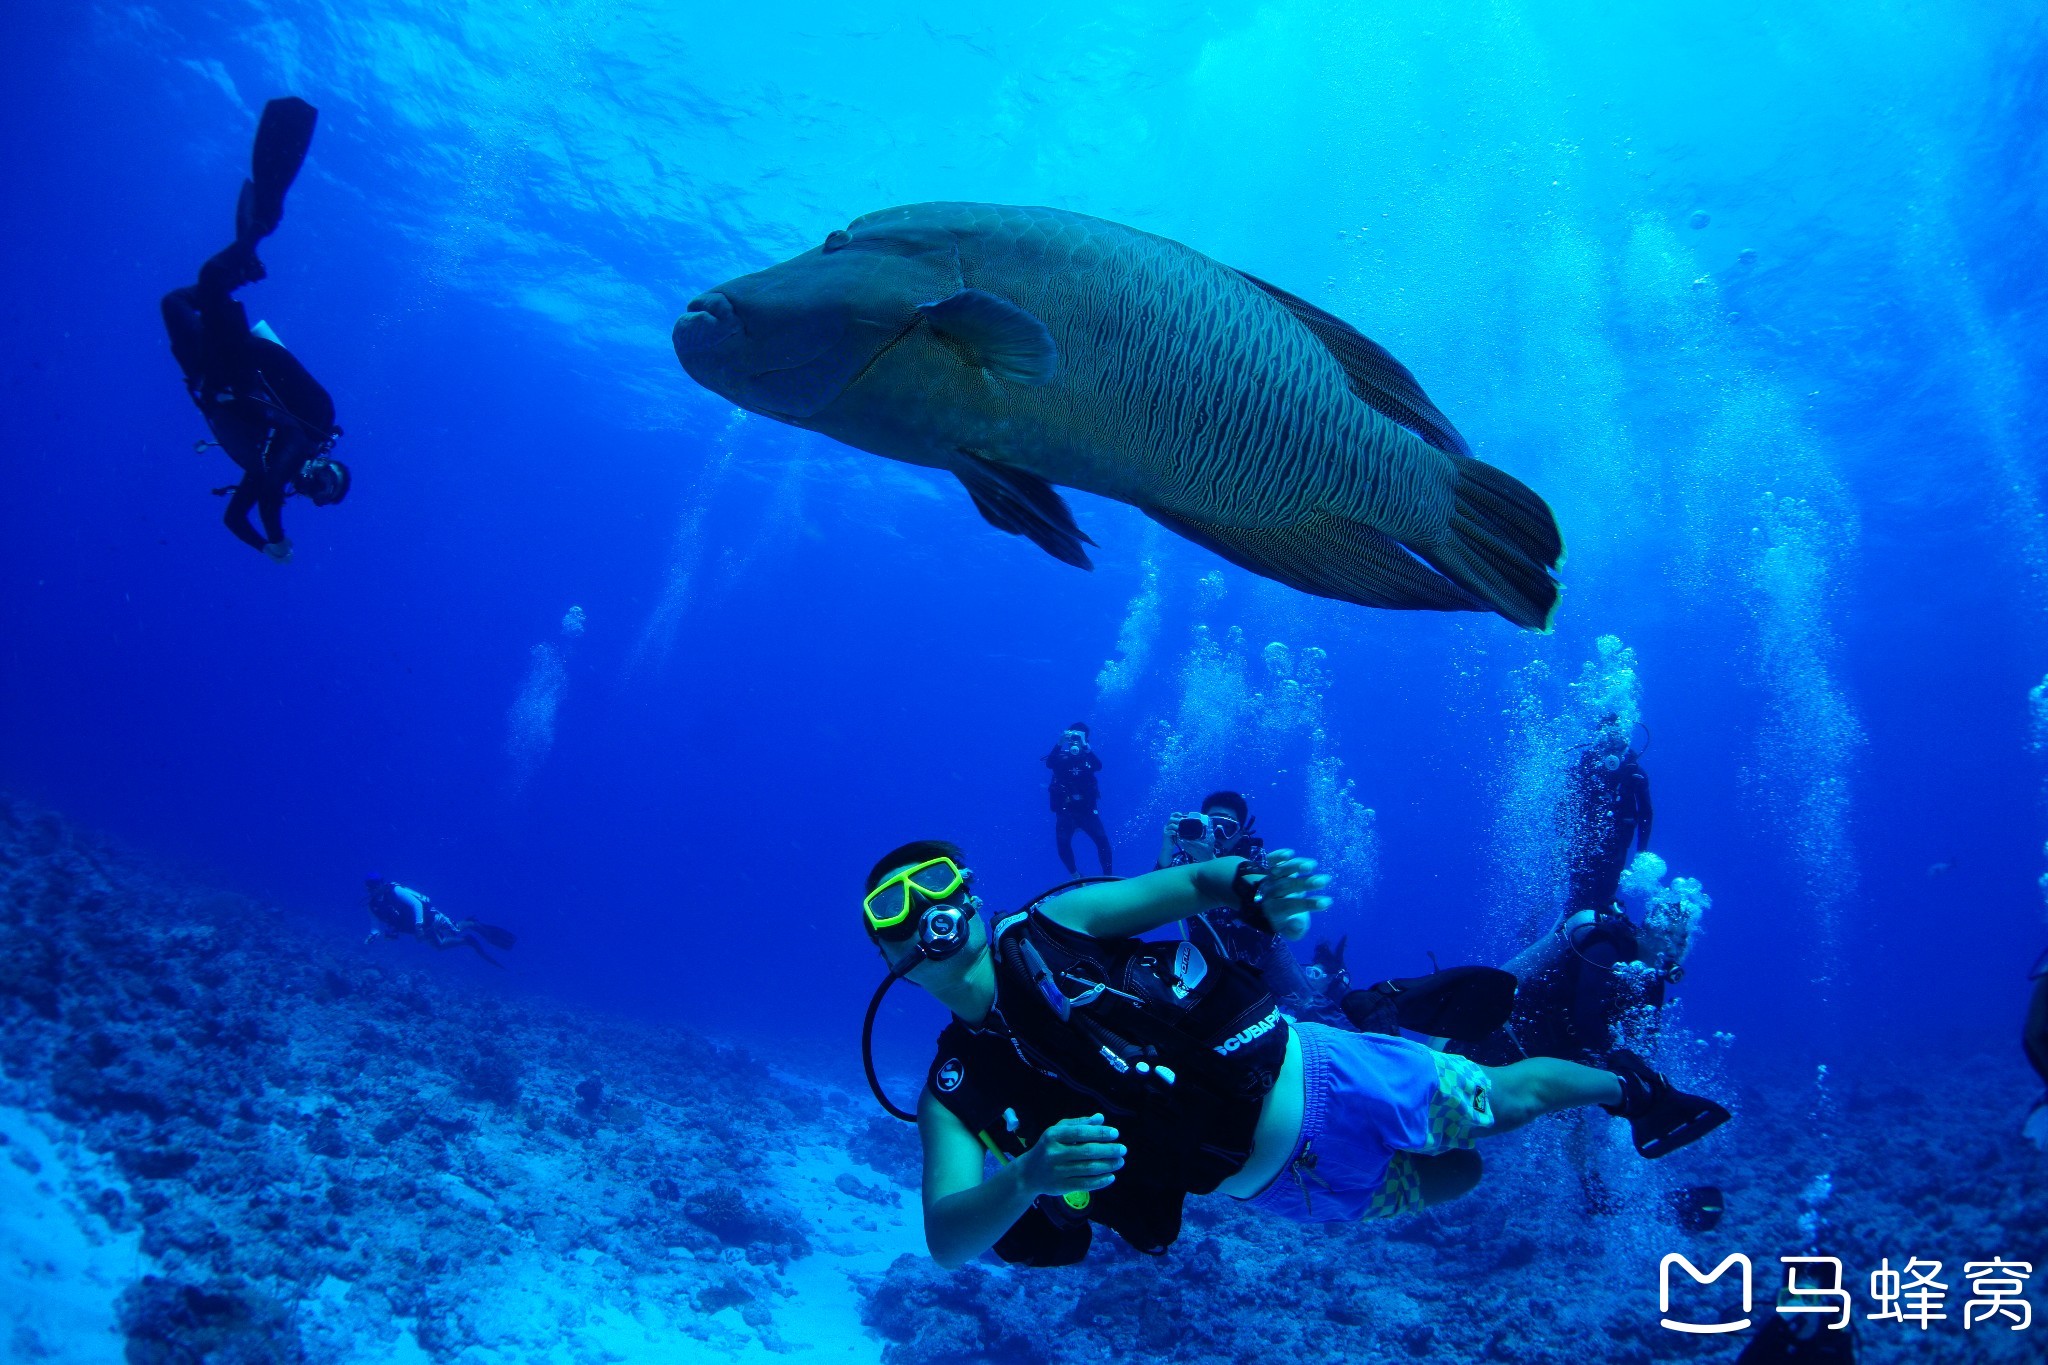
point(493, 935)
point(1384, 383)
point(1503, 545)
point(1678, 1120)
point(1024, 505)
point(1661, 1117)
point(997, 336)
point(1466, 1004)
point(1329, 556)
point(1371, 1011)
point(282, 139)
point(1330, 956)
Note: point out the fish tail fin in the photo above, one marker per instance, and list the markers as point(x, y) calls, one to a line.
point(1503, 544)
point(1331, 556)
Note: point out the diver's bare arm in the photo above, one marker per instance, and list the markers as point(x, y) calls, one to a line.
point(1138, 905)
point(964, 1215)
point(1289, 891)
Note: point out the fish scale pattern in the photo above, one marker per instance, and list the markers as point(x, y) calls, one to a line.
point(1179, 365)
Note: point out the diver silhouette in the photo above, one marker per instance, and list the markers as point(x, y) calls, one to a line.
point(264, 409)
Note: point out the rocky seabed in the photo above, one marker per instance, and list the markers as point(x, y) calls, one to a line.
point(226, 1139)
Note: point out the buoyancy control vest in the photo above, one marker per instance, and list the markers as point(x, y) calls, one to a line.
point(982, 1077)
point(1180, 1048)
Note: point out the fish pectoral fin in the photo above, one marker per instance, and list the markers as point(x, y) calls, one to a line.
point(1024, 505)
point(997, 336)
point(1382, 382)
point(1331, 556)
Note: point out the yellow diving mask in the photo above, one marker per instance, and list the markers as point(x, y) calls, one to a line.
point(894, 904)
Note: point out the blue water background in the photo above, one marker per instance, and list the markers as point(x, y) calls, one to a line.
point(798, 655)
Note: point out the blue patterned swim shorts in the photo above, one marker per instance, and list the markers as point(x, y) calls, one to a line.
point(1371, 1104)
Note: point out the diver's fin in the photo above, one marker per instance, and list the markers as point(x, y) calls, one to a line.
point(997, 336)
point(1384, 383)
point(1465, 1004)
point(1024, 505)
point(493, 935)
point(1661, 1117)
point(1371, 1011)
point(1330, 556)
point(2035, 1129)
point(282, 139)
point(1503, 544)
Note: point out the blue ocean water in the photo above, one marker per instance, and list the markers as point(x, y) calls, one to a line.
point(1749, 292)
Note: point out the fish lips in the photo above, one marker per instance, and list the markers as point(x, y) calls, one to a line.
point(711, 343)
point(708, 320)
point(789, 377)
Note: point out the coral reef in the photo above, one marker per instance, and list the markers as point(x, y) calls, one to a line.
point(319, 1152)
point(301, 1155)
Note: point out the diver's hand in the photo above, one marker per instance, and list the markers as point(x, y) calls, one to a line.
point(1073, 1154)
point(1169, 838)
point(1290, 892)
point(279, 550)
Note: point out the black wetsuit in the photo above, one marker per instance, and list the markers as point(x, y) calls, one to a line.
point(1074, 794)
point(1570, 997)
point(979, 1073)
point(264, 409)
point(1610, 822)
point(1178, 1055)
point(262, 406)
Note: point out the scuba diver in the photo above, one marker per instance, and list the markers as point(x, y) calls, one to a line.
point(1578, 980)
point(1222, 828)
point(1578, 983)
point(1800, 1337)
point(401, 912)
point(263, 408)
point(1074, 793)
point(1113, 1077)
point(2034, 1038)
point(1456, 1002)
point(1610, 816)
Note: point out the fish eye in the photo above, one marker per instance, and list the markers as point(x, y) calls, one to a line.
point(835, 239)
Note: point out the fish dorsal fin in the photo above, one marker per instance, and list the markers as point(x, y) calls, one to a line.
point(997, 336)
point(1024, 505)
point(1383, 382)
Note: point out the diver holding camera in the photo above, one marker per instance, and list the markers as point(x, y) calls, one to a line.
point(1074, 793)
point(1455, 1002)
